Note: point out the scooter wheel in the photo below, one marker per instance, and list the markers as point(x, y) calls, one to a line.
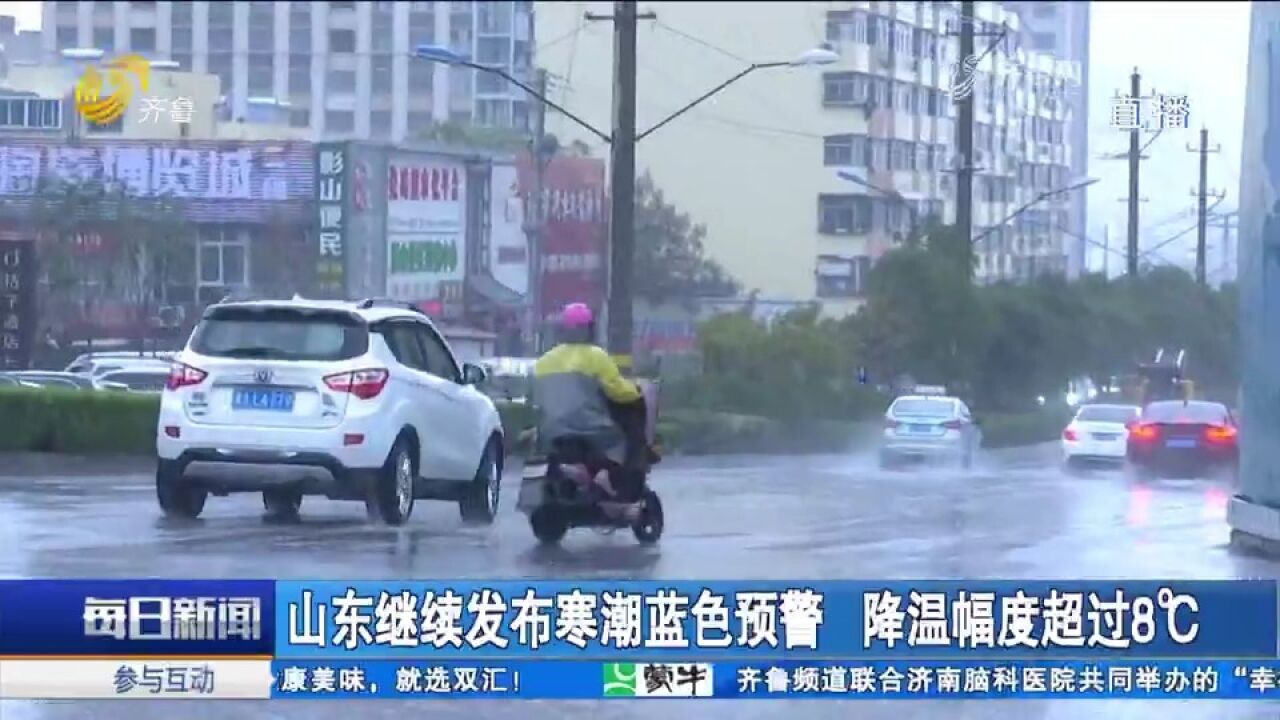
point(549, 525)
point(648, 529)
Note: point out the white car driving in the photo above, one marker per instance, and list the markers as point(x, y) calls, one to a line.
point(1098, 433)
point(352, 401)
point(928, 427)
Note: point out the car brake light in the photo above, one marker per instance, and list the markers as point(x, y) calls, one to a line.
point(181, 375)
point(952, 425)
point(1144, 431)
point(1220, 434)
point(1069, 434)
point(364, 384)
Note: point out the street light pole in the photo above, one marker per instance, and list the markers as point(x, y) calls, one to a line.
point(622, 141)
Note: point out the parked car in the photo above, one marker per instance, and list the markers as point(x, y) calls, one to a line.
point(1184, 437)
point(352, 401)
point(134, 379)
point(53, 379)
point(94, 364)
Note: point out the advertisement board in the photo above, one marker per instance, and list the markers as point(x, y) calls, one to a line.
point(426, 228)
point(574, 257)
point(508, 245)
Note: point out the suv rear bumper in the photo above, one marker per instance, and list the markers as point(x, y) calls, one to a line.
point(311, 473)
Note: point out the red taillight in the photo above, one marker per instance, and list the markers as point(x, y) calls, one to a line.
point(181, 376)
point(952, 425)
point(1144, 431)
point(1224, 434)
point(364, 384)
point(1068, 434)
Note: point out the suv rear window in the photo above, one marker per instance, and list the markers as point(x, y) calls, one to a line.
point(281, 334)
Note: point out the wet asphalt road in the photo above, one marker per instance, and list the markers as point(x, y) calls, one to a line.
point(1015, 515)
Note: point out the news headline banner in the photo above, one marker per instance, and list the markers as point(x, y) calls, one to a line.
point(642, 621)
point(729, 620)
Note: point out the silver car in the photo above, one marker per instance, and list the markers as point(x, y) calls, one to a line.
point(928, 427)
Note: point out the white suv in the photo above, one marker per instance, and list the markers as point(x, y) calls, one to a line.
point(352, 401)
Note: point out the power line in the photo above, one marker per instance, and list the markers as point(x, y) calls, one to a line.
point(561, 38)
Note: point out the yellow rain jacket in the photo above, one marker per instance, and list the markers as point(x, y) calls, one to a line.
point(572, 386)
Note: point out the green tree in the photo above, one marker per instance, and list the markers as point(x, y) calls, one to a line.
point(100, 242)
point(670, 261)
point(474, 136)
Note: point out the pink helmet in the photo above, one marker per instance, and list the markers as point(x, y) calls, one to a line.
point(576, 315)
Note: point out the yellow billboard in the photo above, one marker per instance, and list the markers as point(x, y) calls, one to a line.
point(102, 96)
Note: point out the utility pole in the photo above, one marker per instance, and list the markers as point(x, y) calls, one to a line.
point(622, 178)
point(1106, 252)
point(539, 155)
point(964, 128)
point(1202, 196)
point(1135, 158)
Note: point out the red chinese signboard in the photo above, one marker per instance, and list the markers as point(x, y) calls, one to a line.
point(574, 238)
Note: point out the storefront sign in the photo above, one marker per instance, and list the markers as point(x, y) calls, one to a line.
point(574, 264)
point(17, 303)
point(220, 181)
point(508, 245)
point(426, 227)
point(331, 180)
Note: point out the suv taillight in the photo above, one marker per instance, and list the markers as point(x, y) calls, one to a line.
point(953, 425)
point(181, 376)
point(364, 384)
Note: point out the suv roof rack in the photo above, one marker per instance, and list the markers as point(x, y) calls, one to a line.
point(369, 303)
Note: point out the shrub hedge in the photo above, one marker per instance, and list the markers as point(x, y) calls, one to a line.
point(93, 423)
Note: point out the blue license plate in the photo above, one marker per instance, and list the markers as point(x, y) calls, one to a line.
point(920, 428)
point(1105, 436)
point(1180, 443)
point(260, 399)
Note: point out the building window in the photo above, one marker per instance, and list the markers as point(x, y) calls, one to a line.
point(300, 38)
point(67, 37)
point(493, 113)
point(299, 74)
point(380, 123)
point(223, 260)
point(262, 77)
point(104, 39)
point(493, 18)
point(421, 77)
point(115, 127)
point(381, 74)
point(339, 121)
point(844, 88)
point(1044, 9)
point(844, 214)
point(901, 155)
point(30, 113)
point(343, 81)
point(300, 118)
point(1043, 41)
point(842, 277)
point(837, 150)
point(142, 40)
point(342, 41)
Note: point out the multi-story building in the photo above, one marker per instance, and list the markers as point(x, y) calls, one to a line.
point(345, 68)
point(804, 176)
point(1062, 30)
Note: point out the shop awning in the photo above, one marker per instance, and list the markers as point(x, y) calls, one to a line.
point(495, 292)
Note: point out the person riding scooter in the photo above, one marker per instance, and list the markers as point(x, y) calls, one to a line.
point(581, 395)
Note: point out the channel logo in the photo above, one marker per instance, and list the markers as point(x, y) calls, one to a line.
point(658, 680)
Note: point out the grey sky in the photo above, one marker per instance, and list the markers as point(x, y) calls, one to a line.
point(1192, 48)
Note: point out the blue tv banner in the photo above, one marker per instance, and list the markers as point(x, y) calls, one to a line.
point(206, 618)
point(690, 620)
point(680, 621)
point(880, 680)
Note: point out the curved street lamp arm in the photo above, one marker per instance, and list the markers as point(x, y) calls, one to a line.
point(707, 95)
point(538, 96)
